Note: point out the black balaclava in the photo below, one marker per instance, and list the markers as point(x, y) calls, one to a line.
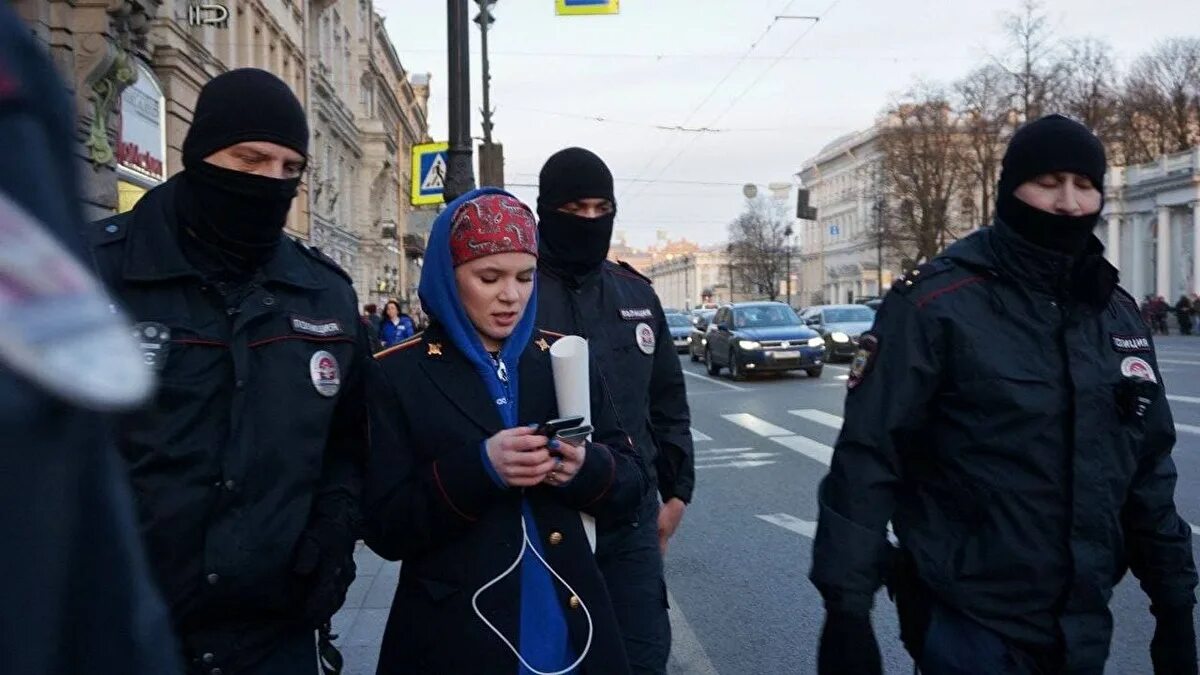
point(571, 244)
point(1051, 144)
point(239, 217)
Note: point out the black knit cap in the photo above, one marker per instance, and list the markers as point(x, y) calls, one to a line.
point(1048, 145)
point(247, 104)
point(571, 174)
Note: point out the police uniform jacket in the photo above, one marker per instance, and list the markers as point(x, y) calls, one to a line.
point(996, 422)
point(431, 502)
point(610, 308)
point(257, 431)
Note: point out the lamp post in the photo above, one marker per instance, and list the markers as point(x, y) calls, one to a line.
point(729, 260)
point(787, 242)
point(460, 175)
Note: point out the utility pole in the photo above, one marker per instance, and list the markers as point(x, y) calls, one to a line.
point(879, 244)
point(729, 259)
point(460, 175)
point(787, 242)
point(491, 155)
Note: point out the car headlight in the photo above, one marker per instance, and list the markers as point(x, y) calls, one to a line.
point(748, 344)
point(689, 339)
point(703, 341)
point(840, 337)
point(816, 342)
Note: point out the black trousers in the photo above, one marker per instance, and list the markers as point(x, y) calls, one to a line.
point(632, 565)
point(295, 654)
point(956, 645)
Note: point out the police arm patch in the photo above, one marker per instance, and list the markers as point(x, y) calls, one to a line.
point(864, 359)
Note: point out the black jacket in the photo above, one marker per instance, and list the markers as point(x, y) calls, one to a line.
point(240, 451)
point(606, 307)
point(994, 427)
point(431, 503)
point(76, 589)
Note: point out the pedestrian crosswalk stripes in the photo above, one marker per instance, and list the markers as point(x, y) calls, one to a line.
point(820, 417)
point(800, 526)
point(757, 425)
point(721, 451)
point(699, 436)
point(1183, 399)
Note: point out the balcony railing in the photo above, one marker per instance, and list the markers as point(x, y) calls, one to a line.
point(1177, 164)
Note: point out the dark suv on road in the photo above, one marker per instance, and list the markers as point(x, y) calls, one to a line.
point(750, 337)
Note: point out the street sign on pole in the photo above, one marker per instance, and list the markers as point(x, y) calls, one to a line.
point(580, 7)
point(429, 173)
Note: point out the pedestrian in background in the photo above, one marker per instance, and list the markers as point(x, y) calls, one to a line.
point(397, 326)
point(465, 491)
point(1160, 310)
point(247, 464)
point(1006, 415)
point(77, 592)
point(374, 324)
point(1183, 312)
point(616, 309)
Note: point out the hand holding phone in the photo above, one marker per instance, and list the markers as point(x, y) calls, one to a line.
point(553, 427)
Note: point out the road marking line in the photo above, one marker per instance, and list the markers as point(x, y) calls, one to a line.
point(1181, 362)
point(1183, 399)
point(736, 465)
point(699, 436)
point(807, 447)
point(804, 528)
point(842, 377)
point(757, 425)
point(687, 654)
point(721, 451)
point(1187, 428)
point(708, 378)
point(820, 417)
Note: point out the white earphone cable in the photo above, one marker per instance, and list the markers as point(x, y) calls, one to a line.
point(526, 544)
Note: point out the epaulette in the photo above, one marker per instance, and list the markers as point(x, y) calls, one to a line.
point(905, 283)
point(630, 271)
point(1122, 295)
point(316, 254)
point(410, 342)
point(107, 231)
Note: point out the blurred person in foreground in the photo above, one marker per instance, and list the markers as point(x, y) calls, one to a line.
point(1006, 413)
point(76, 590)
point(498, 574)
point(247, 464)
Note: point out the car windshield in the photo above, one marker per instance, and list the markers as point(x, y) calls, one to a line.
point(678, 320)
point(767, 315)
point(850, 315)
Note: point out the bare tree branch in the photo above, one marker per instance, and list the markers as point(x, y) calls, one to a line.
point(758, 239)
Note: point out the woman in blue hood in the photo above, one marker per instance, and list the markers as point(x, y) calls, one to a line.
point(498, 574)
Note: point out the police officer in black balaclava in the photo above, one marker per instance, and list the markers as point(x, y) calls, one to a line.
point(75, 590)
point(1006, 414)
point(580, 292)
point(247, 463)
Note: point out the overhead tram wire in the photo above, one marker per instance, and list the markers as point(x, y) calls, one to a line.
point(708, 97)
point(737, 99)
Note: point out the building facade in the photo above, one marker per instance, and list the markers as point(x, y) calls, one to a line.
point(136, 68)
point(691, 280)
point(1151, 227)
point(838, 256)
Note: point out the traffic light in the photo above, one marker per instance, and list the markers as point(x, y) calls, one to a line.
point(803, 210)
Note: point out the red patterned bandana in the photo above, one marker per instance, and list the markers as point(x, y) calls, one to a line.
point(492, 224)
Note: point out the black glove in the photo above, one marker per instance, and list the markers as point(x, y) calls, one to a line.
point(1173, 649)
point(848, 646)
point(324, 563)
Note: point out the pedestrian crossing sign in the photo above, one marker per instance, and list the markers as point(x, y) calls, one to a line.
point(429, 173)
point(578, 7)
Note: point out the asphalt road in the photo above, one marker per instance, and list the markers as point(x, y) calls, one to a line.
point(738, 568)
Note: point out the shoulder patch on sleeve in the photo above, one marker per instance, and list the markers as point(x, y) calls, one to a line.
point(316, 254)
point(410, 342)
point(628, 270)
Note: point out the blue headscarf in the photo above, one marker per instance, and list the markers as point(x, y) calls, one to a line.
point(544, 639)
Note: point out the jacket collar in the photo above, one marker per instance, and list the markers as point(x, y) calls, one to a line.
point(153, 253)
point(1001, 251)
point(459, 381)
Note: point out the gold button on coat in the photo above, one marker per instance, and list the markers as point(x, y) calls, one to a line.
point(574, 602)
point(556, 538)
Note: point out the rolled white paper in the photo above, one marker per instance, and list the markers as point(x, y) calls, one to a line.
point(572, 390)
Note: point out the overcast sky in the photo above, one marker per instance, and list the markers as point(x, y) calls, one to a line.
point(680, 63)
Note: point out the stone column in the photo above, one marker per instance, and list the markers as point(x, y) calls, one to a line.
point(1196, 245)
point(1138, 258)
point(1163, 278)
point(1112, 247)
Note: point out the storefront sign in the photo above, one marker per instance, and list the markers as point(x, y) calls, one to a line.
point(142, 147)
